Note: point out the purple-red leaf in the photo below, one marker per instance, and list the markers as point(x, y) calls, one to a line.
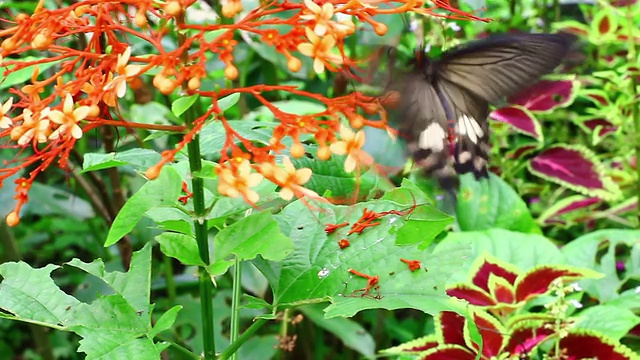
point(538, 280)
point(577, 168)
point(448, 352)
point(481, 277)
point(567, 205)
point(603, 126)
point(599, 347)
point(520, 118)
point(521, 151)
point(451, 327)
point(546, 95)
point(475, 296)
point(492, 336)
point(523, 340)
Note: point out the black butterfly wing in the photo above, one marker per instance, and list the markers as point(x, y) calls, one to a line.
point(504, 65)
point(423, 123)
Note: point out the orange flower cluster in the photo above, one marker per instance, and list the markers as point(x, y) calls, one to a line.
point(52, 112)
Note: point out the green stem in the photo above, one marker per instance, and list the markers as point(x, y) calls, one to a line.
point(184, 351)
point(284, 329)
point(168, 275)
point(242, 339)
point(635, 102)
point(235, 304)
point(200, 224)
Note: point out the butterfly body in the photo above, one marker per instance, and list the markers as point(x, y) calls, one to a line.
point(445, 102)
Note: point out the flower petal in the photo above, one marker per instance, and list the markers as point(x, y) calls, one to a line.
point(286, 194)
point(303, 175)
point(56, 116)
point(350, 163)
point(254, 179)
point(306, 49)
point(318, 65)
point(67, 108)
point(81, 113)
point(76, 131)
point(339, 147)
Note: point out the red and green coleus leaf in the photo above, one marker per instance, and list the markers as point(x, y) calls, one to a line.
point(599, 347)
point(452, 329)
point(603, 26)
point(527, 331)
point(598, 126)
point(548, 95)
point(537, 280)
point(471, 293)
point(521, 119)
point(577, 168)
point(486, 265)
point(414, 346)
point(448, 352)
point(571, 204)
point(599, 97)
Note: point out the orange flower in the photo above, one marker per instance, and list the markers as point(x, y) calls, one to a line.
point(5, 121)
point(351, 145)
point(238, 184)
point(32, 127)
point(321, 15)
point(96, 82)
point(320, 50)
point(119, 83)
point(291, 180)
point(68, 119)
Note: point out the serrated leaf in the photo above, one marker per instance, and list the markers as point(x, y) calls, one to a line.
point(163, 191)
point(257, 234)
point(619, 320)
point(577, 168)
point(180, 246)
point(521, 119)
point(139, 158)
point(318, 269)
point(492, 203)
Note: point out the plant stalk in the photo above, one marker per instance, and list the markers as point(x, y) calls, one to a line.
point(242, 339)
point(235, 304)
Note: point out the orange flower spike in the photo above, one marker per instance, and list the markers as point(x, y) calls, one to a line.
point(413, 264)
point(291, 180)
point(5, 121)
point(240, 182)
point(321, 16)
point(351, 145)
point(33, 126)
point(231, 7)
point(344, 243)
point(119, 83)
point(68, 119)
point(319, 48)
point(331, 228)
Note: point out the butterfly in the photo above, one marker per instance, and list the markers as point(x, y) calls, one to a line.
point(444, 102)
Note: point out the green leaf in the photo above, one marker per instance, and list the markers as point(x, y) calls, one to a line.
point(228, 101)
point(164, 191)
point(153, 113)
point(182, 104)
point(492, 203)
point(180, 246)
point(134, 285)
point(597, 251)
point(23, 75)
point(522, 250)
point(352, 334)
point(257, 234)
point(139, 158)
point(619, 320)
point(31, 295)
point(214, 135)
point(166, 321)
point(298, 107)
point(318, 270)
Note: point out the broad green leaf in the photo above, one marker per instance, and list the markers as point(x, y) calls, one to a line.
point(298, 107)
point(228, 101)
point(31, 295)
point(163, 191)
point(182, 104)
point(352, 334)
point(153, 113)
point(522, 250)
point(166, 321)
point(491, 203)
point(318, 270)
point(329, 176)
point(139, 158)
point(180, 246)
point(134, 285)
point(257, 234)
point(619, 320)
point(112, 327)
point(213, 135)
point(46, 200)
point(597, 251)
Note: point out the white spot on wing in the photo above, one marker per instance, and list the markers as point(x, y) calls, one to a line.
point(464, 157)
point(470, 127)
point(432, 138)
